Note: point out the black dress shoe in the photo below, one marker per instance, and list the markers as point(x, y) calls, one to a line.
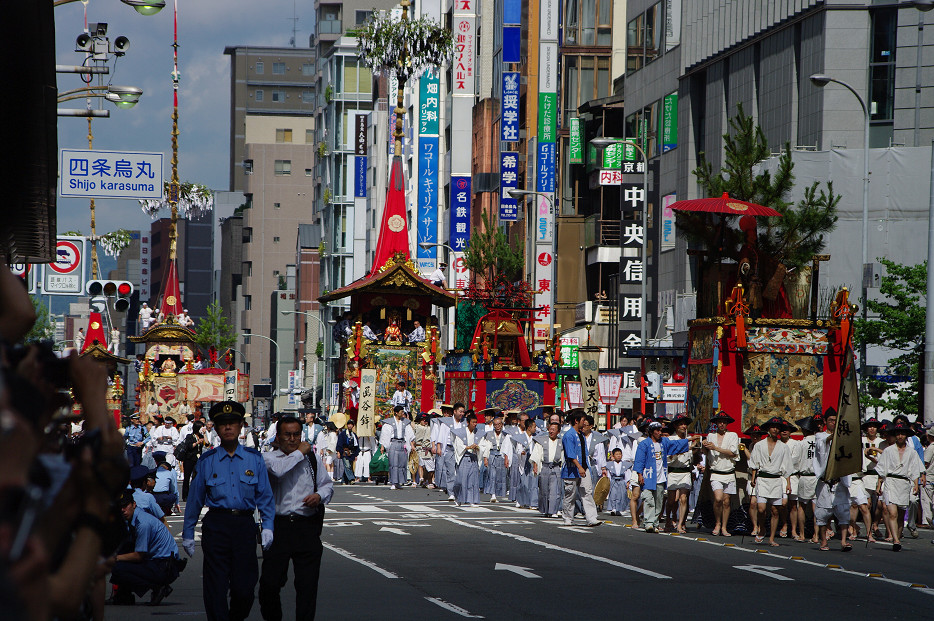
point(160, 594)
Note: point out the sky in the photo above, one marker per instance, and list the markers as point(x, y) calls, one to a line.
point(205, 28)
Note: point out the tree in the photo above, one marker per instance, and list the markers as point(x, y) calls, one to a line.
point(490, 255)
point(214, 330)
point(42, 330)
point(792, 239)
point(194, 199)
point(900, 328)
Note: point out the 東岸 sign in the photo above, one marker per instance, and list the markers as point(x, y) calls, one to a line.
point(87, 173)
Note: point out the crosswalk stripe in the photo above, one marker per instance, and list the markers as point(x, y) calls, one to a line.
point(368, 508)
point(419, 508)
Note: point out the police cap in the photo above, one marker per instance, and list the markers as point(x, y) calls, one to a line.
point(227, 412)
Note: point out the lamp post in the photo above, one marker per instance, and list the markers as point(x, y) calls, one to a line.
point(275, 393)
point(519, 195)
point(820, 80)
point(314, 380)
point(449, 253)
point(604, 142)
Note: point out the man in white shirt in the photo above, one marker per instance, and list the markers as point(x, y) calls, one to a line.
point(396, 437)
point(166, 437)
point(368, 332)
point(446, 443)
point(301, 488)
point(437, 276)
point(145, 317)
point(210, 434)
point(418, 334)
point(402, 397)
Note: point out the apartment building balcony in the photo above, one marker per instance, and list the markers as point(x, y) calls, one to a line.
point(601, 240)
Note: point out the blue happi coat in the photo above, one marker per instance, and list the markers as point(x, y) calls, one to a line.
point(645, 458)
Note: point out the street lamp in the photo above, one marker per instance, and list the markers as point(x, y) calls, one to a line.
point(275, 393)
point(820, 80)
point(605, 142)
point(314, 380)
point(519, 195)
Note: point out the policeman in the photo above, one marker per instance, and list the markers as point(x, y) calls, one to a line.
point(231, 480)
point(153, 563)
point(135, 437)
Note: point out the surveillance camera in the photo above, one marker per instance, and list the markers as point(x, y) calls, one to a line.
point(121, 45)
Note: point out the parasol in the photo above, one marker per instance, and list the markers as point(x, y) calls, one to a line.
point(724, 204)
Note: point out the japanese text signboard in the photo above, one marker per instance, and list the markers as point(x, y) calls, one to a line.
point(427, 225)
point(366, 424)
point(110, 174)
point(460, 213)
point(509, 179)
point(510, 121)
point(429, 99)
point(589, 365)
point(65, 275)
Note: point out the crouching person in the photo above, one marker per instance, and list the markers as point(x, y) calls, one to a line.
point(153, 565)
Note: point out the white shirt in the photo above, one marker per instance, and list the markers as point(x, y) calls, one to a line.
point(164, 437)
point(394, 428)
point(661, 474)
point(403, 398)
point(417, 335)
point(369, 334)
point(436, 276)
point(291, 479)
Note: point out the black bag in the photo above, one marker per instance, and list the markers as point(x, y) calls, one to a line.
point(185, 450)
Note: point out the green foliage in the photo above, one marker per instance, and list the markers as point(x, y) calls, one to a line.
point(214, 330)
point(283, 283)
point(900, 328)
point(42, 330)
point(73, 234)
point(466, 317)
point(792, 239)
point(240, 209)
point(319, 349)
point(489, 254)
point(406, 47)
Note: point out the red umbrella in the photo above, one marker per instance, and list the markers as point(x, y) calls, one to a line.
point(724, 204)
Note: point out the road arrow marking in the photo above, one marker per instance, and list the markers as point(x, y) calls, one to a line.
point(397, 531)
point(522, 571)
point(763, 570)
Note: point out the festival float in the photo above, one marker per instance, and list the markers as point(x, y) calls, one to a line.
point(759, 348)
point(391, 298)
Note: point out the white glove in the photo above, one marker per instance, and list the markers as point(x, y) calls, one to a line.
point(266, 536)
point(189, 546)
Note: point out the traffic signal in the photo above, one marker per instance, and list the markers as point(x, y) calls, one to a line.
point(120, 290)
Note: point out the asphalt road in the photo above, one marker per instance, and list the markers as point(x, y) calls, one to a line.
point(409, 554)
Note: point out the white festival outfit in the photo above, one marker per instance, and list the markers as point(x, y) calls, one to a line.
point(770, 470)
point(723, 468)
point(804, 468)
point(833, 497)
point(792, 478)
point(898, 471)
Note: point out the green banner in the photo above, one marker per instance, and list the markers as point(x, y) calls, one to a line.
point(576, 143)
point(547, 117)
point(429, 101)
point(668, 123)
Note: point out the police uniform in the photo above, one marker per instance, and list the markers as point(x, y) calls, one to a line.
point(232, 487)
point(134, 435)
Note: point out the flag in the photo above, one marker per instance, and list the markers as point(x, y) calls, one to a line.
point(846, 455)
point(588, 359)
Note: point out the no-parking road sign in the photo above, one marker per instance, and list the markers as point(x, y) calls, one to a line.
point(26, 271)
point(65, 275)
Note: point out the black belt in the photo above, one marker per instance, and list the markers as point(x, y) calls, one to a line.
point(397, 440)
point(551, 465)
point(871, 472)
point(805, 474)
point(678, 469)
point(897, 476)
point(722, 471)
point(239, 512)
point(768, 475)
point(295, 517)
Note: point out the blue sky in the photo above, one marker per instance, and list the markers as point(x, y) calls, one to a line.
point(205, 28)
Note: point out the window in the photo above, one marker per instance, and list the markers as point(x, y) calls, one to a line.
point(278, 95)
point(248, 302)
point(259, 95)
point(588, 22)
point(247, 235)
point(248, 167)
point(362, 17)
point(672, 24)
point(247, 270)
point(308, 69)
point(653, 32)
point(307, 172)
point(283, 168)
point(357, 78)
point(276, 205)
point(635, 43)
point(650, 34)
point(275, 239)
point(278, 68)
point(585, 78)
point(283, 135)
point(882, 65)
point(260, 67)
point(308, 97)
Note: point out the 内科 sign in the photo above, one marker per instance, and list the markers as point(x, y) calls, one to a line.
point(87, 173)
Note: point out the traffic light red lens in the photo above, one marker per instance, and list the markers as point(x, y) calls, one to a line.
point(124, 288)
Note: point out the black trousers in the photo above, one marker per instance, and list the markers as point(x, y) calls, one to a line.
point(134, 455)
point(189, 467)
point(230, 565)
point(298, 541)
point(141, 577)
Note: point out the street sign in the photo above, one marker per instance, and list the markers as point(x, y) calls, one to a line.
point(88, 173)
point(26, 271)
point(65, 275)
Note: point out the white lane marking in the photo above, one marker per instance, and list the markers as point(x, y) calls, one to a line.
point(395, 531)
point(525, 572)
point(403, 524)
point(763, 570)
point(418, 508)
point(455, 609)
point(504, 522)
point(577, 529)
point(557, 548)
point(339, 524)
point(475, 509)
point(348, 555)
point(368, 508)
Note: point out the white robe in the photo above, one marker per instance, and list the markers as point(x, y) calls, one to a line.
point(778, 463)
point(899, 472)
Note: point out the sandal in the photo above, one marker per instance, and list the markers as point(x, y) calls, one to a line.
point(799, 539)
point(759, 538)
point(716, 532)
point(825, 549)
point(774, 545)
point(847, 548)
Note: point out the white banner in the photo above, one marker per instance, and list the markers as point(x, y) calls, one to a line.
point(366, 414)
point(230, 385)
point(589, 359)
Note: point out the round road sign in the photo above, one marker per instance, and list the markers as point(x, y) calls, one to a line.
point(67, 257)
point(21, 269)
